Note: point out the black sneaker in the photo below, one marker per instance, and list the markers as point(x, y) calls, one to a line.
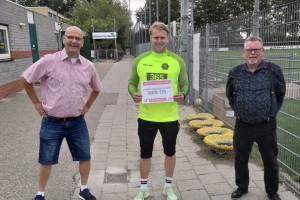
point(86, 195)
point(38, 197)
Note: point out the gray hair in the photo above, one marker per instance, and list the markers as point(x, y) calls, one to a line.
point(253, 39)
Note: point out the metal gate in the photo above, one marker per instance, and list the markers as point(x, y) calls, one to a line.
point(208, 67)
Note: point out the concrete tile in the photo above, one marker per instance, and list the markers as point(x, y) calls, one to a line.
point(182, 166)
point(185, 175)
point(221, 197)
point(95, 184)
point(195, 195)
point(205, 169)
point(116, 162)
point(187, 185)
point(256, 175)
point(117, 149)
point(191, 149)
point(134, 182)
point(218, 189)
point(112, 188)
point(99, 158)
point(226, 170)
point(159, 166)
point(114, 196)
point(253, 167)
point(98, 165)
point(118, 143)
point(97, 174)
point(287, 195)
point(255, 193)
point(211, 178)
point(113, 154)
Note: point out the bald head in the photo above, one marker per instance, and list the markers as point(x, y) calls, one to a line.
point(73, 29)
point(73, 41)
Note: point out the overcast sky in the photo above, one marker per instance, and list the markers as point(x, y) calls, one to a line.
point(135, 5)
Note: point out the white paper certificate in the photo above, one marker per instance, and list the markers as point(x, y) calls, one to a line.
point(157, 91)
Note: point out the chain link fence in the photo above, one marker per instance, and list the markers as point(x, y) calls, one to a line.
point(216, 48)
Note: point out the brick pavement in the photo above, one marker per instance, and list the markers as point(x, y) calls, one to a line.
point(115, 156)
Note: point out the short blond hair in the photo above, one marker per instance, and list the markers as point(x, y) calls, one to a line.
point(253, 39)
point(158, 26)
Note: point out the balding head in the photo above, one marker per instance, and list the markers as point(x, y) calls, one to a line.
point(73, 41)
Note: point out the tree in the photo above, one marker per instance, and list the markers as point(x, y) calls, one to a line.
point(99, 15)
point(212, 11)
point(63, 7)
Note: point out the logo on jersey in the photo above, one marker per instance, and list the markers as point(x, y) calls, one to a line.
point(165, 66)
point(147, 65)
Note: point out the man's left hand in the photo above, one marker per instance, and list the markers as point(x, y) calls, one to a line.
point(84, 110)
point(178, 97)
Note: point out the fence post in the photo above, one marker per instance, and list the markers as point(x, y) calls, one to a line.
point(191, 66)
point(184, 36)
point(255, 28)
point(206, 65)
point(290, 67)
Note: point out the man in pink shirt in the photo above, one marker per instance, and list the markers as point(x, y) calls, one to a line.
point(65, 77)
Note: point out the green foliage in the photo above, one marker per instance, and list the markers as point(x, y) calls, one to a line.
point(63, 7)
point(99, 15)
point(213, 11)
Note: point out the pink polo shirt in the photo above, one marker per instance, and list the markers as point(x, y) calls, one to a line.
point(64, 86)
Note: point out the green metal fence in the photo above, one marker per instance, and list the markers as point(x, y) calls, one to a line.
point(216, 48)
point(220, 49)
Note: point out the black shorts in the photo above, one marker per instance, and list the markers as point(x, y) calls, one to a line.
point(147, 131)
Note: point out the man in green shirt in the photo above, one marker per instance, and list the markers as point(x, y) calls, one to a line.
point(154, 65)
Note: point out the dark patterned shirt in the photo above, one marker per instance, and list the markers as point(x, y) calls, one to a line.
point(253, 92)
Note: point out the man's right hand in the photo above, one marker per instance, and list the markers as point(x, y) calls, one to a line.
point(137, 97)
point(32, 95)
point(39, 108)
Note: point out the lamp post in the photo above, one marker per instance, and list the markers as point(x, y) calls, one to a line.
point(94, 39)
point(116, 49)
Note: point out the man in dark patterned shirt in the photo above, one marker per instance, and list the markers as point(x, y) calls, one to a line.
point(255, 91)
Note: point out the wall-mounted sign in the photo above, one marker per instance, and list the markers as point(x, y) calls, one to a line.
point(104, 35)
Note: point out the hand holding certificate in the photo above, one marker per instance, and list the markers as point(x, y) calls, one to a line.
point(157, 91)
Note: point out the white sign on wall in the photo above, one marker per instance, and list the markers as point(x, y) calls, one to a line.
point(196, 61)
point(104, 35)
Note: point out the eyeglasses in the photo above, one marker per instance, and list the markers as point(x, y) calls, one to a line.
point(70, 37)
point(248, 51)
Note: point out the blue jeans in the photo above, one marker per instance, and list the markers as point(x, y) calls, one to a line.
point(52, 133)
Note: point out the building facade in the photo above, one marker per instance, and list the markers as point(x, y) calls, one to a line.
point(25, 36)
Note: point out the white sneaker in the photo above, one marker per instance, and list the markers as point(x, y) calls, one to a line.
point(168, 191)
point(143, 194)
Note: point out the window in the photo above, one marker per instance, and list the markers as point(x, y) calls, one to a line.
point(50, 14)
point(4, 43)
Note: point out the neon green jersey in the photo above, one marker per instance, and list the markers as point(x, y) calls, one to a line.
point(152, 66)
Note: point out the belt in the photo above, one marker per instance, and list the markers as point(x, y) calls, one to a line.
point(255, 123)
point(66, 118)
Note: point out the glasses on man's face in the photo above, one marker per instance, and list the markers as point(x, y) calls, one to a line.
point(249, 51)
point(70, 37)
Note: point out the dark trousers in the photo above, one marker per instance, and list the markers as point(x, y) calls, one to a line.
point(264, 134)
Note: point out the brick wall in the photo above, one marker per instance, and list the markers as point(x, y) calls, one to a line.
point(10, 88)
point(11, 15)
